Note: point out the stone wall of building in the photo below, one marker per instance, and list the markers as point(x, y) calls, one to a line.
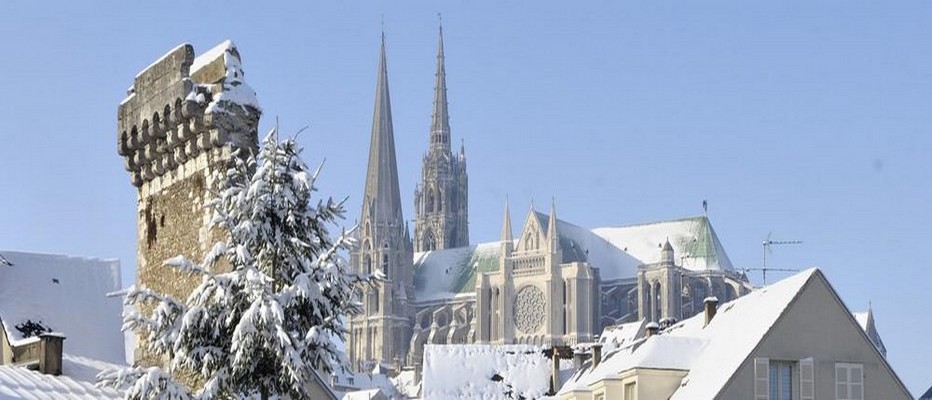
point(182, 121)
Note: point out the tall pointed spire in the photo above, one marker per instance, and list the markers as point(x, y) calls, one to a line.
point(440, 122)
point(506, 225)
point(382, 174)
point(552, 224)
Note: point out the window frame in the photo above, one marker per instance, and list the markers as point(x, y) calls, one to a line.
point(848, 383)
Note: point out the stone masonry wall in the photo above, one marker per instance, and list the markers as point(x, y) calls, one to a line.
point(175, 130)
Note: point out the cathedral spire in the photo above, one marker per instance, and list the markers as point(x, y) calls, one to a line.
point(382, 174)
point(440, 122)
point(506, 226)
point(552, 225)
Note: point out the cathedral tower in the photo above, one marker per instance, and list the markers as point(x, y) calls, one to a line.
point(383, 246)
point(441, 199)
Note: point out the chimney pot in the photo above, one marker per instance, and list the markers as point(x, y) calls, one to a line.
point(652, 328)
point(596, 354)
point(711, 306)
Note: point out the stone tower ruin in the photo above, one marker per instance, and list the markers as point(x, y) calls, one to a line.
point(181, 121)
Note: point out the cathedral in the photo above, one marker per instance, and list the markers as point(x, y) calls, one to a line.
point(549, 283)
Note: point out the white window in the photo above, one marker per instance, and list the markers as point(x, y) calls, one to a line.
point(630, 392)
point(761, 379)
point(807, 379)
point(849, 381)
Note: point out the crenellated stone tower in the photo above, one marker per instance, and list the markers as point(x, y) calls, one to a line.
point(181, 121)
point(383, 245)
point(441, 199)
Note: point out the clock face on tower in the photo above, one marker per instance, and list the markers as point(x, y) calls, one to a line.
point(530, 307)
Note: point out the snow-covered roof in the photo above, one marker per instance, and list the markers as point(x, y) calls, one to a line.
point(711, 354)
point(616, 251)
point(477, 371)
point(407, 384)
point(68, 295)
point(695, 244)
point(75, 382)
point(444, 274)
point(622, 335)
point(363, 394)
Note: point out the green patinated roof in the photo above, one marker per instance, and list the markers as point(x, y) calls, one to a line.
point(616, 251)
point(447, 273)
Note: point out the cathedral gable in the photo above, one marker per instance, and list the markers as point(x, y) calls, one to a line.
point(533, 236)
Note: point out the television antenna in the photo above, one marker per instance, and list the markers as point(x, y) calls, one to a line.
point(767, 247)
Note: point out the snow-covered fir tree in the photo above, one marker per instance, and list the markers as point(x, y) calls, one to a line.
point(271, 295)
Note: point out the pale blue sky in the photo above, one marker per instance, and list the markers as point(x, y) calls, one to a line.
point(808, 119)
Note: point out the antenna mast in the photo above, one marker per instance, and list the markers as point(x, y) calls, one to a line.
point(766, 246)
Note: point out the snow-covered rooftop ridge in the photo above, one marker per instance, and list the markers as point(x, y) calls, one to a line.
point(710, 353)
point(695, 243)
point(485, 372)
point(75, 382)
point(64, 294)
point(210, 55)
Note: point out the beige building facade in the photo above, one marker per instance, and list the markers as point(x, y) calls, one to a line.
point(792, 340)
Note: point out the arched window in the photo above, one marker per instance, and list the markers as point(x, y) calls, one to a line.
point(385, 262)
point(565, 306)
point(430, 200)
point(440, 197)
point(374, 301)
point(657, 313)
point(699, 293)
point(430, 243)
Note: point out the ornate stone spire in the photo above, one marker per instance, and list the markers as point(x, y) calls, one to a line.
point(507, 239)
point(441, 201)
point(440, 122)
point(552, 227)
point(382, 175)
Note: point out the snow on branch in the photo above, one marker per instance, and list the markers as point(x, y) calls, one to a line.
point(262, 325)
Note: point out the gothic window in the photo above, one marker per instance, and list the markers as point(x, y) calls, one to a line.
point(440, 201)
point(564, 307)
point(385, 262)
point(656, 313)
point(430, 200)
point(699, 293)
point(429, 242)
point(367, 263)
point(374, 301)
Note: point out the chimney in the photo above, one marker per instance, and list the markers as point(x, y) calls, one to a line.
point(578, 359)
point(50, 349)
point(652, 328)
point(711, 305)
point(596, 354)
point(555, 371)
